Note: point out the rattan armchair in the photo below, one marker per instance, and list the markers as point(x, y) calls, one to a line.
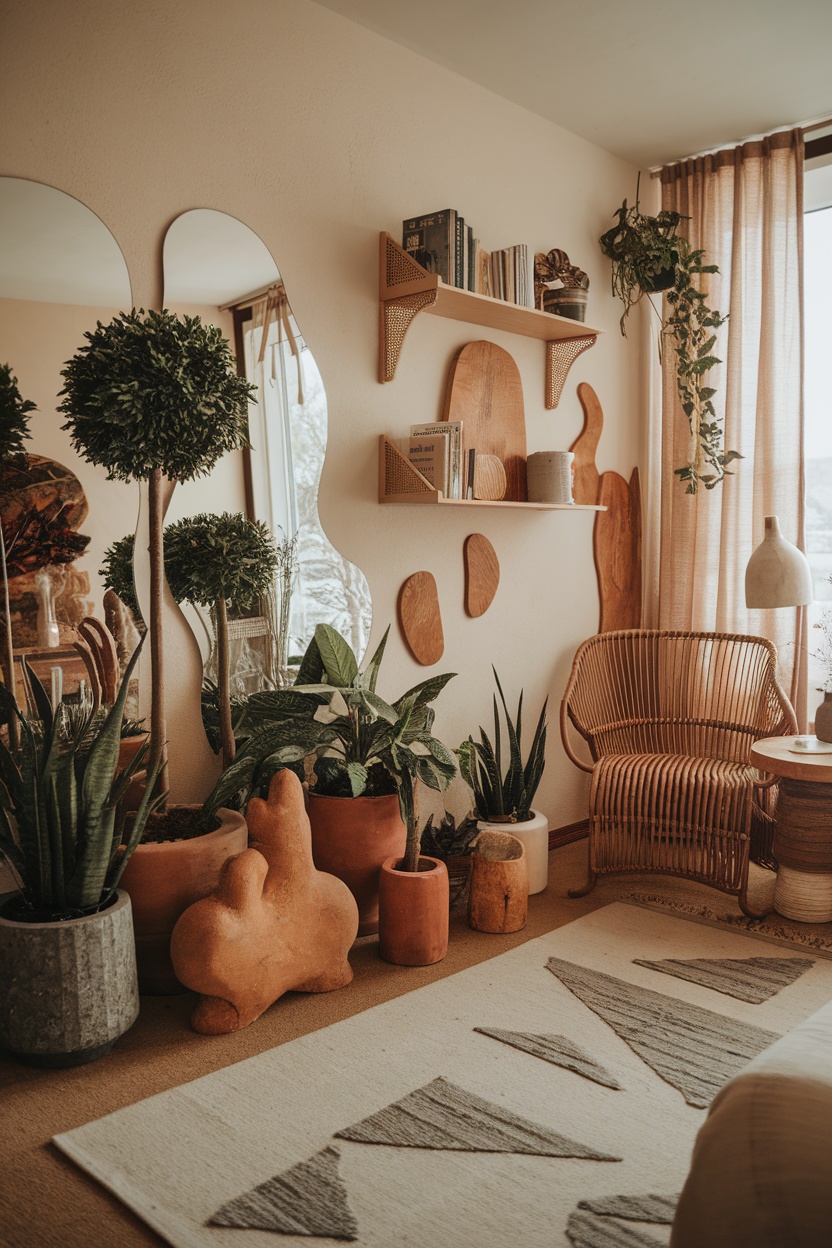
point(669, 718)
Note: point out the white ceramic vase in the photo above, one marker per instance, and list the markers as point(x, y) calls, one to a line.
point(534, 835)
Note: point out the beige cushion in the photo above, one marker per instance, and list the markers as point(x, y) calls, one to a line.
point(761, 1174)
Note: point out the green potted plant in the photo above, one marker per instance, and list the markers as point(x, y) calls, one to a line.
point(155, 397)
point(504, 795)
point(116, 573)
point(220, 562)
point(361, 757)
point(649, 256)
point(14, 429)
point(67, 959)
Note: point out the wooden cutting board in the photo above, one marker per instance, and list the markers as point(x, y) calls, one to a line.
point(482, 574)
point(485, 392)
point(586, 476)
point(421, 619)
point(617, 549)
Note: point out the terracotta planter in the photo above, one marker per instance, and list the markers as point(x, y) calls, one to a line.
point(534, 835)
point(351, 838)
point(128, 748)
point(413, 912)
point(163, 880)
point(67, 989)
point(499, 897)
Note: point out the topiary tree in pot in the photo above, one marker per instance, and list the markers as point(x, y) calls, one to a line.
point(152, 396)
point(220, 562)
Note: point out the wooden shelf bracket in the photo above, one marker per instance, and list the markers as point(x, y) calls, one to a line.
point(560, 356)
point(405, 290)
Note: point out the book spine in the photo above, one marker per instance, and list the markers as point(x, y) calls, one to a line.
point(459, 272)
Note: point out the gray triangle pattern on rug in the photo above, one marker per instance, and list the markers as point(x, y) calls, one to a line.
point(557, 1050)
point(308, 1199)
point(443, 1115)
point(588, 1230)
point(748, 979)
point(693, 1049)
point(660, 1210)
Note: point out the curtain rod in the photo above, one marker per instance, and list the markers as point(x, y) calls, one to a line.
point(807, 128)
point(245, 300)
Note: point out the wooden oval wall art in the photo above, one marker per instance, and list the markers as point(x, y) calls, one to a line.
point(421, 619)
point(482, 574)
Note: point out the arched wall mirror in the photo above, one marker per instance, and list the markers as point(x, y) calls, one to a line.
point(218, 268)
point(61, 271)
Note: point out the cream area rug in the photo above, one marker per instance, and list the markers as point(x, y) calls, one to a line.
point(549, 1096)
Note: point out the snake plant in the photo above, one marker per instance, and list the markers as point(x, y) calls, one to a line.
point(498, 797)
point(62, 827)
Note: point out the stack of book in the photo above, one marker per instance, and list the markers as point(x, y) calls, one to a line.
point(509, 276)
point(442, 243)
point(436, 451)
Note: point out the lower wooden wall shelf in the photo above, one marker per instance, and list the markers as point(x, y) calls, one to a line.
point(399, 483)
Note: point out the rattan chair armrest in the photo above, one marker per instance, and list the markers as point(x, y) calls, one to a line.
point(567, 745)
point(760, 783)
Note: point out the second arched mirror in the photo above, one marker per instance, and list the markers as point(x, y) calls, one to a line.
point(218, 268)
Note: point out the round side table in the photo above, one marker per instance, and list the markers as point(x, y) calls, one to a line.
point(803, 834)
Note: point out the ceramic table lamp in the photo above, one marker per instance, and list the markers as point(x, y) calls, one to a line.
point(778, 573)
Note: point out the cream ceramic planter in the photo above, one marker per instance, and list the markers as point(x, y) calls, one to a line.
point(68, 989)
point(534, 836)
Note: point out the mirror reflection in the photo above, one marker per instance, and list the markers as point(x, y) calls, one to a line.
point(61, 271)
point(218, 268)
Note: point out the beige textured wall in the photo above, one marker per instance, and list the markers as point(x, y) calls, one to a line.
point(317, 134)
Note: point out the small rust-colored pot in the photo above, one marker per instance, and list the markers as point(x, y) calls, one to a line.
point(163, 880)
point(351, 838)
point(499, 896)
point(413, 912)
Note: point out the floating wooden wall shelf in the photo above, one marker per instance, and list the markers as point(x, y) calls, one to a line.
point(400, 483)
point(406, 289)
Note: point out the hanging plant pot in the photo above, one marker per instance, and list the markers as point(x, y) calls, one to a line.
point(68, 988)
point(351, 838)
point(653, 283)
point(413, 912)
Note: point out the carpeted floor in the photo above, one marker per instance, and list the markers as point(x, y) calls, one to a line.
point(45, 1202)
point(414, 1124)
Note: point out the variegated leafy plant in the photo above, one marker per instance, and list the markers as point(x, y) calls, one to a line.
point(349, 740)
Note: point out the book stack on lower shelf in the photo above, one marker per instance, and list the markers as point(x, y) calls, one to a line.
point(400, 482)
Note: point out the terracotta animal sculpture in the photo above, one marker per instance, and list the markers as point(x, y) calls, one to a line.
point(273, 923)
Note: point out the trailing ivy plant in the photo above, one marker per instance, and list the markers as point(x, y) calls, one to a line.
point(152, 396)
point(220, 562)
point(648, 256)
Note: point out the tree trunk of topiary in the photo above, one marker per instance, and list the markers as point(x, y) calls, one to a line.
point(224, 687)
point(156, 550)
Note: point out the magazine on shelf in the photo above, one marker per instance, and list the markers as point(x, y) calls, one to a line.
point(431, 241)
point(453, 430)
point(431, 457)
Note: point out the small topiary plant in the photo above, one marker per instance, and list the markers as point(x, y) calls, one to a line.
point(117, 573)
point(152, 396)
point(220, 562)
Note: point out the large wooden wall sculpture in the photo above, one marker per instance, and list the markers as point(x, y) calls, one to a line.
point(617, 533)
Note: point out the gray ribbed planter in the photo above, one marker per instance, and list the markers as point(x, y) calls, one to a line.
point(68, 990)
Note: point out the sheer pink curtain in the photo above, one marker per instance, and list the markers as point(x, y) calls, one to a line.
point(746, 210)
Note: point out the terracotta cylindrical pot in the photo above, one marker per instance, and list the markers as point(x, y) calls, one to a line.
point(534, 835)
point(351, 838)
point(67, 989)
point(163, 880)
point(128, 748)
point(499, 896)
point(413, 912)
